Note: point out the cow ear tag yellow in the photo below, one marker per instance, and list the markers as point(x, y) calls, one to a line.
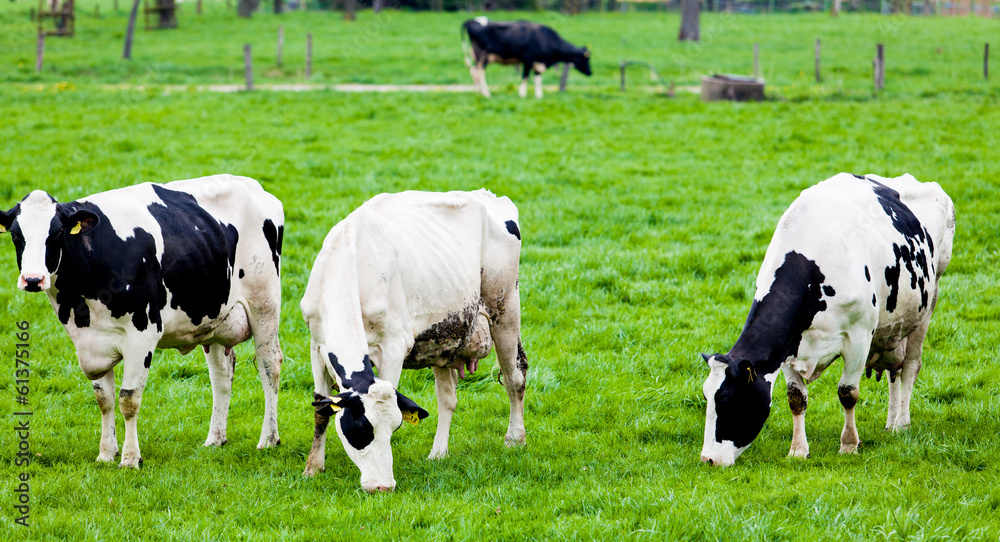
point(411, 416)
point(76, 229)
point(3, 229)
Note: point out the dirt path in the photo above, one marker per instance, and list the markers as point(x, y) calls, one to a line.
point(349, 87)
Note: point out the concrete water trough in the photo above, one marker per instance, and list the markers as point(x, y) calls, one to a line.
point(738, 88)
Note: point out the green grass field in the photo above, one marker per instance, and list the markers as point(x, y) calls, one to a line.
point(644, 221)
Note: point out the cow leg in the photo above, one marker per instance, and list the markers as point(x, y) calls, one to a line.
point(484, 89)
point(522, 90)
point(798, 401)
point(855, 355)
point(134, 375)
point(104, 390)
point(221, 369)
point(445, 382)
point(911, 368)
point(264, 326)
point(513, 365)
point(538, 85)
point(316, 462)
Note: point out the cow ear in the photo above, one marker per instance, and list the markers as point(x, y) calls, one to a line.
point(7, 219)
point(706, 357)
point(746, 372)
point(329, 405)
point(411, 411)
point(586, 52)
point(79, 221)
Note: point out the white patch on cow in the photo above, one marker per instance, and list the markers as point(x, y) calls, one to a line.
point(34, 219)
point(538, 85)
point(522, 91)
point(482, 20)
point(719, 453)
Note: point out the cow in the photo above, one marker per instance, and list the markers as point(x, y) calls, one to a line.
point(152, 266)
point(535, 47)
point(852, 271)
point(411, 280)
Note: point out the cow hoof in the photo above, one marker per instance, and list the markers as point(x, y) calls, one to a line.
point(897, 427)
point(511, 441)
point(849, 448)
point(268, 442)
point(312, 471)
point(107, 457)
point(438, 454)
point(130, 463)
point(216, 442)
point(799, 453)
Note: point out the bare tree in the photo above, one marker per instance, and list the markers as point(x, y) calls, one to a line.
point(130, 30)
point(245, 8)
point(690, 22)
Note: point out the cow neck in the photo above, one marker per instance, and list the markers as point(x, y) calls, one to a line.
point(775, 324)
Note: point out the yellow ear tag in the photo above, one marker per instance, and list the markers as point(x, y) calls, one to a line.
point(3, 229)
point(76, 229)
point(411, 416)
point(752, 375)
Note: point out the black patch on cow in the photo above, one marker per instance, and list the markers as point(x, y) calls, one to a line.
point(274, 238)
point(124, 275)
point(242, 274)
point(444, 340)
point(902, 217)
point(512, 229)
point(798, 401)
point(775, 324)
point(829, 291)
point(856, 176)
point(148, 360)
point(868, 275)
point(353, 423)
point(874, 303)
point(199, 253)
point(742, 406)
point(359, 381)
point(848, 396)
point(892, 280)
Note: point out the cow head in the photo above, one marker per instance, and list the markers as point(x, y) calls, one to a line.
point(365, 423)
point(582, 61)
point(39, 227)
point(739, 401)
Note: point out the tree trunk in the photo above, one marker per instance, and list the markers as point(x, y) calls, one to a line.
point(244, 8)
point(690, 25)
point(279, 6)
point(350, 6)
point(130, 30)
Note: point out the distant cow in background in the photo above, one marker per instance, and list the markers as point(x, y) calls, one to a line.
point(536, 47)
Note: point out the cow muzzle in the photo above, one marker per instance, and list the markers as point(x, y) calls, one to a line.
point(33, 283)
point(377, 487)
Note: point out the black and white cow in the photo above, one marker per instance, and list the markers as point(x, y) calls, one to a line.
point(411, 280)
point(174, 265)
point(535, 47)
point(852, 271)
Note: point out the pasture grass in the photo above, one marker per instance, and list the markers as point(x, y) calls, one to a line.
point(644, 221)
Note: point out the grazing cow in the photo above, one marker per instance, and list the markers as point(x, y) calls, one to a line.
point(535, 47)
point(852, 272)
point(150, 266)
point(411, 280)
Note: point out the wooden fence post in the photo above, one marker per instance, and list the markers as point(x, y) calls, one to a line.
point(309, 55)
point(565, 75)
point(248, 62)
point(879, 65)
point(986, 61)
point(756, 64)
point(818, 79)
point(623, 77)
point(40, 52)
point(281, 42)
point(197, 8)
